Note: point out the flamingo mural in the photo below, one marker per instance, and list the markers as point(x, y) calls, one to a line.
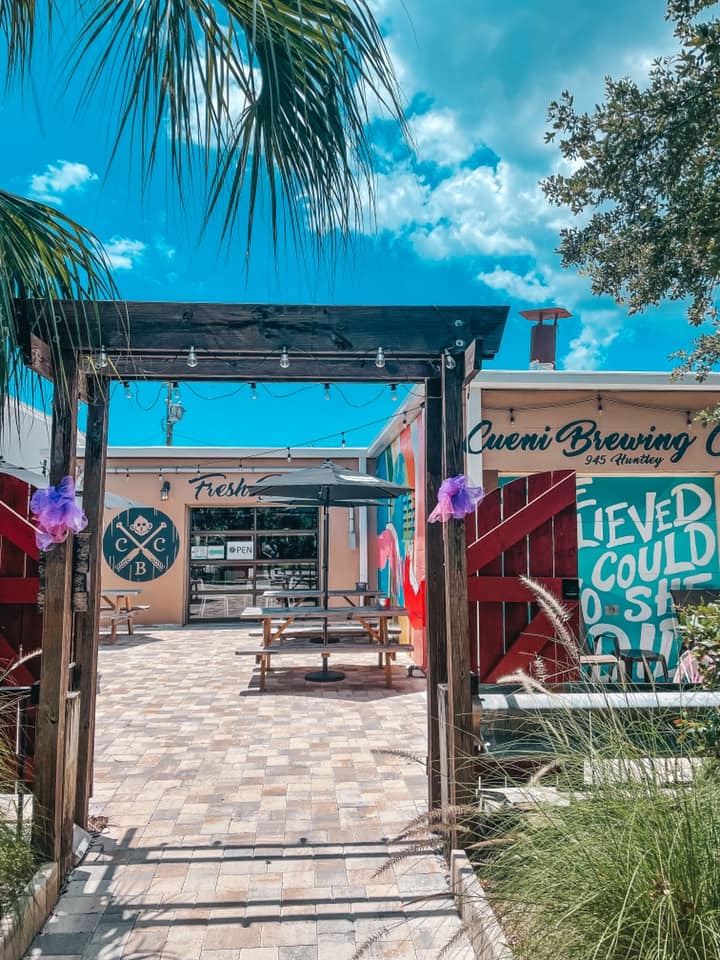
point(401, 531)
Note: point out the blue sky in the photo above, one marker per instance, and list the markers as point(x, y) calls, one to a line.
point(460, 217)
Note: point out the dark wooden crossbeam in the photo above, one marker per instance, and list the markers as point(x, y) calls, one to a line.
point(302, 369)
point(139, 330)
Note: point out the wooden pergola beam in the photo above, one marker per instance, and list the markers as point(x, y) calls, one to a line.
point(142, 329)
point(268, 370)
point(55, 729)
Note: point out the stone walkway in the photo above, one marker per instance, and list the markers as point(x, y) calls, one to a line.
point(249, 826)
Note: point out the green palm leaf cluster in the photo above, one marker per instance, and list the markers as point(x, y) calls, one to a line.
point(256, 98)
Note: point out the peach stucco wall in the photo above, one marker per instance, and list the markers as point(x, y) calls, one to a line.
point(167, 595)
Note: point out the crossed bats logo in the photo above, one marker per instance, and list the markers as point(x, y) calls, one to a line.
point(140, 544)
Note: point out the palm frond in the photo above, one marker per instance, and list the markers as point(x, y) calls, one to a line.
point(44, 255)
point(271, 97)
point(18, 24)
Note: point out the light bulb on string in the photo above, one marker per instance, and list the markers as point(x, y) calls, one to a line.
point(284, 358)
point(380, 358)
point(326, 387)
point(512, 415)
point(449, 361)
point(342, 442)
point(404, 418)
point(688, 418)
point(599, 405)
point(102, 359)
point(127, 473)
point(393, 392)
point(192, 360)
point(253, 391)
point(289, 455)
point(128, 391)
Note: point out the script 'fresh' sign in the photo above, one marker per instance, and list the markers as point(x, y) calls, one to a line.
point(638, 539)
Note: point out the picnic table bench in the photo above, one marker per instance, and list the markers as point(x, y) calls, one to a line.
point(386, 653)
point(117, 607)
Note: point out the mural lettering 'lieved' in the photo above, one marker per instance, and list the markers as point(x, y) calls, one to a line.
point(639, 538)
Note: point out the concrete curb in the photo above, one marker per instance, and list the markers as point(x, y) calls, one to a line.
point(18, 929)
point(481, 925)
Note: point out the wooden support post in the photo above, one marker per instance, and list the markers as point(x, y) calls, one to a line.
point(51, 834)
point(461, 749)
point(87, 623)
point(434, 585)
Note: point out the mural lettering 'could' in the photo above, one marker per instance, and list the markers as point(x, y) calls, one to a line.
point(140, 544)
point(401, 531)
point(638, 539)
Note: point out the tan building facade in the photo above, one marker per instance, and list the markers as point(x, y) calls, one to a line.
point(199, 547)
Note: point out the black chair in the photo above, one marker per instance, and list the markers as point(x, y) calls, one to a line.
point(647, 660)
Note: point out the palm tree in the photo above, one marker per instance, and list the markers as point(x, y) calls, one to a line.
point(253, 95)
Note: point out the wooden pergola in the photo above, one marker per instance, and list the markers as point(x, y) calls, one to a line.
point(441, 346)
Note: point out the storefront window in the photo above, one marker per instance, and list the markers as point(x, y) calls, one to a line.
point(234, 557)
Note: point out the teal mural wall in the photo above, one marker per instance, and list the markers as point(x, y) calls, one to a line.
point(639, 538)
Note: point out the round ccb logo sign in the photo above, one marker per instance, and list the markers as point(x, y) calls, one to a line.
point(141, 544)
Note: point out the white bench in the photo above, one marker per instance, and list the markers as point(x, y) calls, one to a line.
point(387, 652)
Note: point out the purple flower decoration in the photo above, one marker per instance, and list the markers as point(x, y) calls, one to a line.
point(56, 514)
point(455, 499)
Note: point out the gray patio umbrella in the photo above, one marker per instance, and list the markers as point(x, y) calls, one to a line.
point(327, 485)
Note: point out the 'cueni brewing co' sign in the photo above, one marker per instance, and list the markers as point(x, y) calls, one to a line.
point(141, 544)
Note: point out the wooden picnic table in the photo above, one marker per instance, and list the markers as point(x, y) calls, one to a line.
point(118, 606)
point(299, 594)
point(374, 620)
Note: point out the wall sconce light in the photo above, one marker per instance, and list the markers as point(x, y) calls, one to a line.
point(165, 490)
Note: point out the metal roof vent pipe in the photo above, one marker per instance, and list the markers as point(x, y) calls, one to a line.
point(543, 336)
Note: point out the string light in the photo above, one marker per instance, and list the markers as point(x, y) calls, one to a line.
point(449, 361)
point(327, 391)
point(284, 358)
point(688, 418)
point(380, 358)
point(102, 359)
point(599, 404)
point(289, 455)
point(512, 415)
point(127, 473)
point(253, 391)
point(128, 391)
point(404, 418)
point(393, 392)
point(192, 360)
point(342, 442)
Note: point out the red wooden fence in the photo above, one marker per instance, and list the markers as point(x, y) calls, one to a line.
point(529, 527)
point(20, 622)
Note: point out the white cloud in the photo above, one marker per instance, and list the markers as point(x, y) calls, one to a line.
point(440, 138)
point(599, 329)
point(122, 253)
point(531, 287)
point(471, 212)
point(58, 179)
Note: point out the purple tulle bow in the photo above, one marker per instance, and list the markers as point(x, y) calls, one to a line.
point(455, 499)
point(56, 514)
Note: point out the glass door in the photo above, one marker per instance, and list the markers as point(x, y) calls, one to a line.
point(236, 553)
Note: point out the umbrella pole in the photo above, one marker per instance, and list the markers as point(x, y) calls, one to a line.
point(325, 675)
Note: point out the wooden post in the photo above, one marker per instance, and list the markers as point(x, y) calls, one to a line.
point(50, 833)
point(434, 585)
point(461, 750)
point(87, 622)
